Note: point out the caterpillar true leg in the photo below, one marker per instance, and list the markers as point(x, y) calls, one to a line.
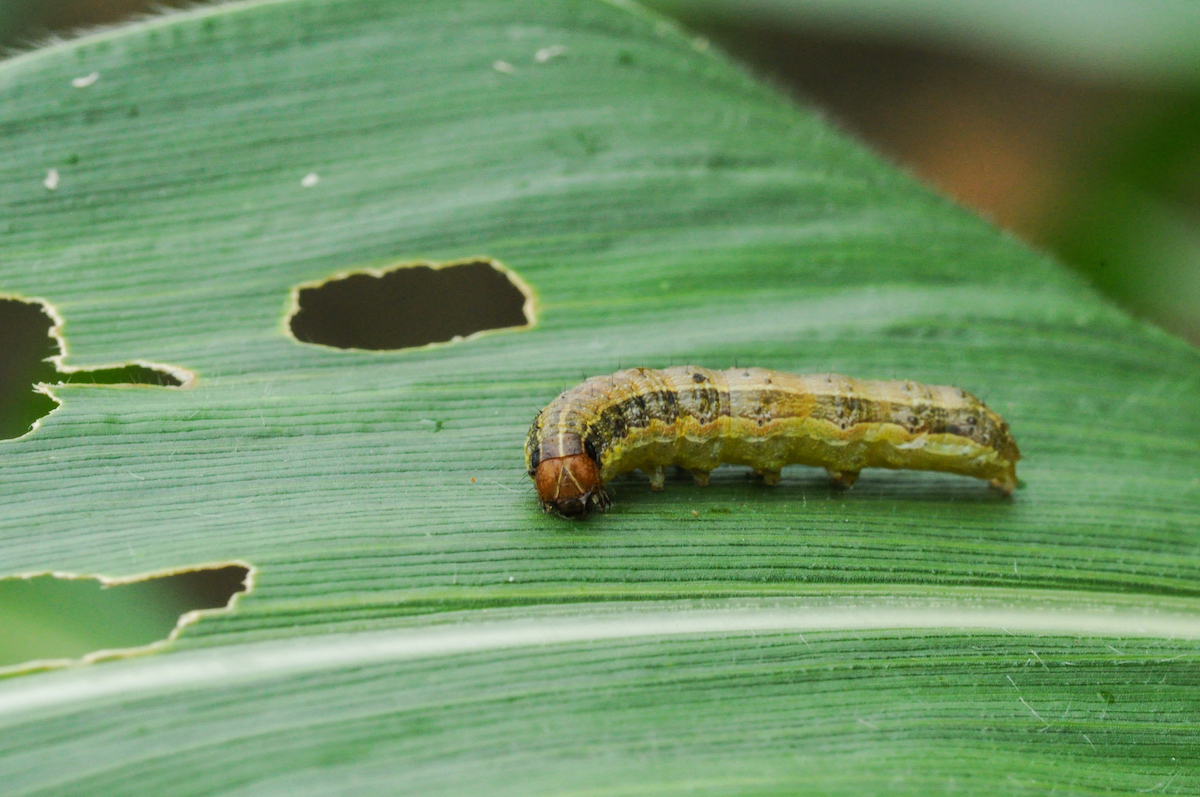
point(658, 477)
point(770, 477)
point(843, 478)
point(1005, 486)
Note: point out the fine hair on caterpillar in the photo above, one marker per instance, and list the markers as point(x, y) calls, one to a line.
point(697, 418)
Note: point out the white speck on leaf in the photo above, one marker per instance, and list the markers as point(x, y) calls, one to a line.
point(511, 579)
point(85, 81)
point(51, 181)
point(546, 53)
point(505, 67)
point(310, 180)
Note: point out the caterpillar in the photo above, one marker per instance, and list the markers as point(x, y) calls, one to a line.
point(697, 418)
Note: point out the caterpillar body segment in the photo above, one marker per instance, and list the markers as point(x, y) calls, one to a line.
point(698, 418)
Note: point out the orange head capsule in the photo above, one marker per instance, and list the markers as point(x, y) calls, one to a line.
point(570, 486)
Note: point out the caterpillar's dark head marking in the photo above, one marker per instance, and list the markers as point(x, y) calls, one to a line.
point(570, 486)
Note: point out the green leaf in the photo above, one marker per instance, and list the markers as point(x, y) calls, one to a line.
point(417, 624)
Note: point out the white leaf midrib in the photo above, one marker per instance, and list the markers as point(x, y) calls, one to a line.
point(1119, 617)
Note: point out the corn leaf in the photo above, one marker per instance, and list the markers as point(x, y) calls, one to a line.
point(417, 624)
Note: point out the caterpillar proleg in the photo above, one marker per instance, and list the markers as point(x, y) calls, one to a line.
point(698, 418)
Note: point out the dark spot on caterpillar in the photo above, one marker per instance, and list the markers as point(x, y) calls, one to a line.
point(613, 423)
point(663, 406)
point(535, 456)
point(635, 412)
point(589, 448)
point(698, 378)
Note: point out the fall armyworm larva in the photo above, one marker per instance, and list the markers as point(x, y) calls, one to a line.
point(698, 418)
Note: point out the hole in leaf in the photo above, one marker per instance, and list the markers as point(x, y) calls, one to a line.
point(411, 305)
point(30, 355)
point(48, 618)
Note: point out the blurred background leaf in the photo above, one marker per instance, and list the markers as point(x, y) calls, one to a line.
point(1076, 125)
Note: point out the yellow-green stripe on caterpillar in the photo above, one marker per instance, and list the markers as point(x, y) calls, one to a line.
point(697, 419)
